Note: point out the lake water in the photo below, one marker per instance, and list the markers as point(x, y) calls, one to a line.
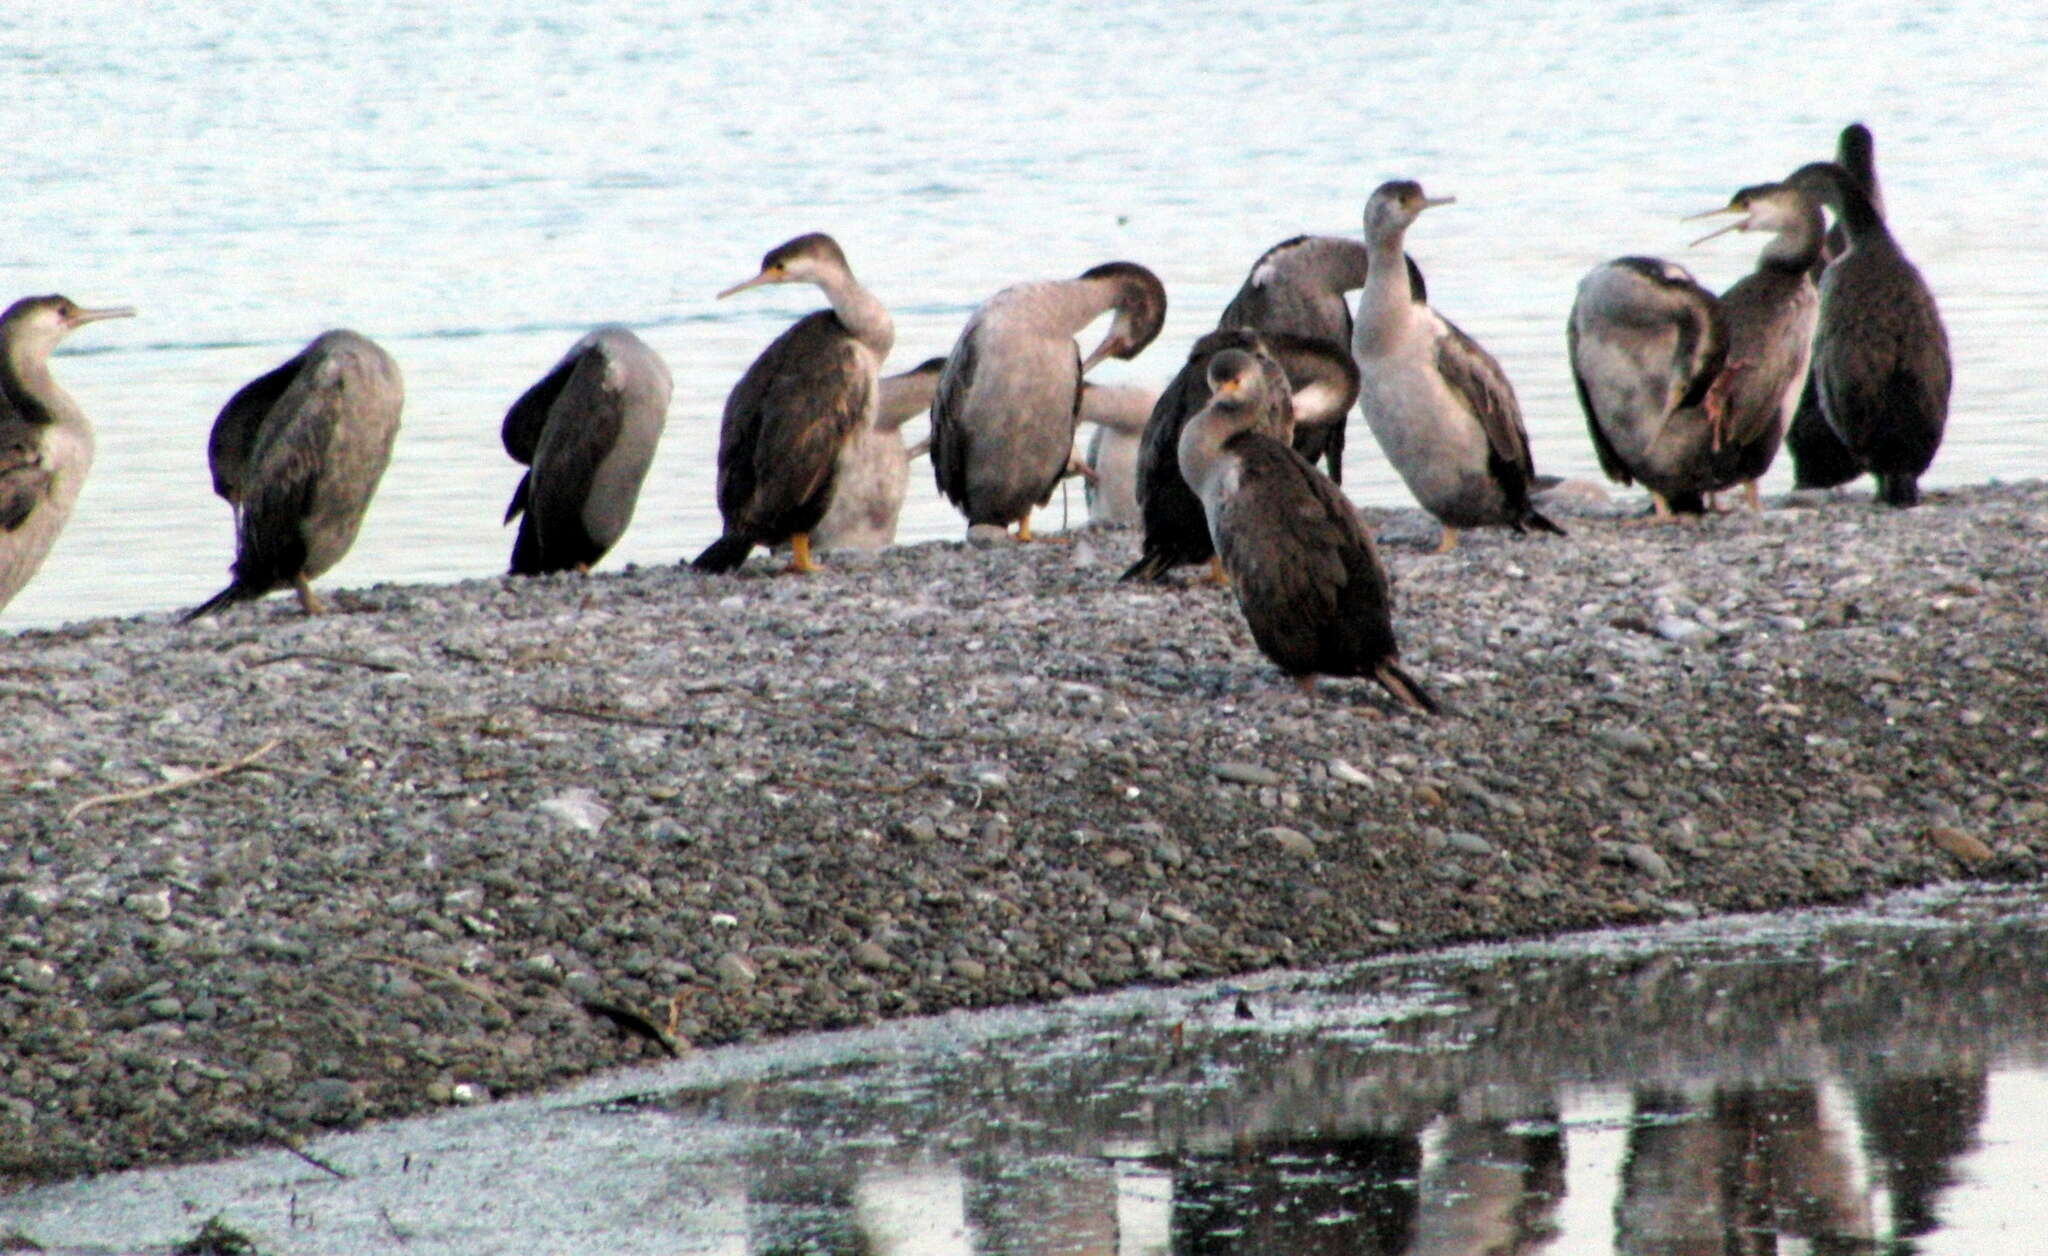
point(1870, 1083)
point(474, 188)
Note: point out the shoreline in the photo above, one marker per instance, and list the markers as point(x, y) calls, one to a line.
point(945, 778)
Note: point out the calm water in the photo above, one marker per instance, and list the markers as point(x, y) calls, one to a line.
point(475, 189)
point(1871, 1083)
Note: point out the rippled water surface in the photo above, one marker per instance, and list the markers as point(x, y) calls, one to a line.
point(474, 187)
point(1871, 1083)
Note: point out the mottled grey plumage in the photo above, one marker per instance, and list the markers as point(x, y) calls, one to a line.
point(1303, 566)
point(874, 466)
point(1297, 288)
point(46, 442)
point(1819, 459)
point(1004, 417)
point(588, 431)
point(1310, 382)
point(1439, 405)
point(1119, 413)
point(1689, 393)
point(788, 418)
point(298, 452)
point(1880, 352)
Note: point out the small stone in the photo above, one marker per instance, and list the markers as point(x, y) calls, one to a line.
point(275, 1066)
point(1345, 774)
point(1646, 860)
point(1386, 928)
point(1290, 841)
point(1468, 843)
point(36, 976)
point(1683, 631)
point(166, 1008)
point(1968, 849)
point(921, 829)
point(34, 900)
point(1248, 774)
point(152, 905)
point(736, 971)
point(1427, 795)
point(579, 809)
point(969, 969)
point(873, 956)
point(468, 1093)
point(990, 536)
point(1627, 740)
point(541, 967)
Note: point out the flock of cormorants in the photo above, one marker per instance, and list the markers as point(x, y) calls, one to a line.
point(1833, 338)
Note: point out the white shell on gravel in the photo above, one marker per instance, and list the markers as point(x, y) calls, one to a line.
point(578, 808)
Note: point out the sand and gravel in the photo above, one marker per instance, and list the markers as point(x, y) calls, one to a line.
point(950, 777)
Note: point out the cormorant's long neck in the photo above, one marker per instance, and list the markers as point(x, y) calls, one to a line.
point(860, 310)
point(1387, 301)
point(1202, 440)
point(25, 382)
point(1860, 219)
point(1795, 247)
point(1075, 303)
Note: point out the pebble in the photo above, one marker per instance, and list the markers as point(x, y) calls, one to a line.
point(873, 956)
point(1969, 849)
point(1248, 774)
point(151, 905)
point(1468, 843)
point(579, 809)
point(1646, 860)
point(736, 971)
point(1290, 841)
point(1348, 775)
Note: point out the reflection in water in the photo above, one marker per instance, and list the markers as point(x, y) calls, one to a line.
point(1871, 1085)
point(1766, 1102)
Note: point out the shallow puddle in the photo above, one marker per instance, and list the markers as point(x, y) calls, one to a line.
point(1867, 1082)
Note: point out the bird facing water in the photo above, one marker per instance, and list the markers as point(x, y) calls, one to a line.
point(298, 452)
point(46, 442)
point(587, 431)
point(1819, 459)
point(1688, 393)
point(1004, 417)
point(1439, 405)
point(1880, 352)
point(787, 420)
point(1303, 566)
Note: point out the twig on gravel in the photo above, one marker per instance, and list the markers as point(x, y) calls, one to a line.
point(612, 717)
point(396, 1233)
point(468, 987)
point(324, 657)
point(289, 1144)
point(84, 805)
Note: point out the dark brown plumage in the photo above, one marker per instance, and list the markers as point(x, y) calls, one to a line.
point(1303, 566)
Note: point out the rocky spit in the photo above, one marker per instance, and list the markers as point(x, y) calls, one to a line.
point(485, 837)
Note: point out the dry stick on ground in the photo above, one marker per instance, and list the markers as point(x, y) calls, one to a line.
point(84, 805)
point(324, 657)
point(468, 987)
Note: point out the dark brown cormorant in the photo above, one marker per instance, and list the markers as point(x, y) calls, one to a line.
point(1301, 562)
point(1311, 382)
point(1880, 353)
point(588, 431)
point(787, 420)
point(298, 452)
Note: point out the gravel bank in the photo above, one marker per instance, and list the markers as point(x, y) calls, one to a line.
point(945, 778)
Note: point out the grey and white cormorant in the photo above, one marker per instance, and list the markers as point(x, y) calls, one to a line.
point(1303, 565)
point(1310, 382)
point(587, 431)
point(298, 452)
point(1119, 413)
point(1297, 288)
point(1004, 418)
point(46, 443)
point(1819, 459)
point(1880, 353)
point(814, 388)
point(1688, 393)
point(874, 466)
point(1440, 406)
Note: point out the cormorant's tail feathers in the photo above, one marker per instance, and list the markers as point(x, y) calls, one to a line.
point(724, 554)
point(1406, 689)
point(220, 601)
point(1538, 521)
